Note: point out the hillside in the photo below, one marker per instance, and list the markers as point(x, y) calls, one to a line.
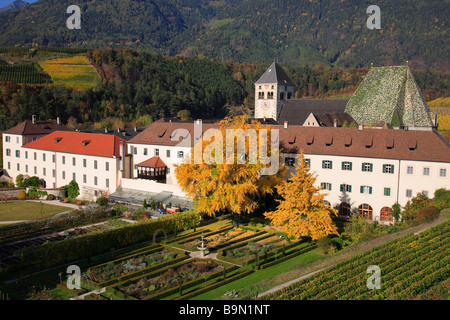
point(296, 32)
point(13, 6)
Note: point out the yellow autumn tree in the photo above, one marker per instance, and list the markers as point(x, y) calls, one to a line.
point(229, 179)
point(302, 211)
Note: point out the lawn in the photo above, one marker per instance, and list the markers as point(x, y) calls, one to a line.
point(28, 210)
point(73, 72)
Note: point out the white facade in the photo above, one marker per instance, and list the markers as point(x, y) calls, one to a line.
point(379, 183)
point(95, 175)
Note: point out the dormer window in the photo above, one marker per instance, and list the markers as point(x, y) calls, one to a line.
point(86, 142)
point(57, 140)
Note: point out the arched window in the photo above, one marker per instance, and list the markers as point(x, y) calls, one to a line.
point(327, 203)
point(386, 214)
point(344, 209)
point(365, 210)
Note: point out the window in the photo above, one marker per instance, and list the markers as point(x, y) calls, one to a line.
point(18, 167)
point(107, 183)
point(44, 171)
point(281, 95)
point(388, 168)
point(26, 154)
point(63, 159)
point(365, 210)
point(53, 173)
point(409, 170)
point(168, 153)
point(289, 161)
point(386, 214)
point(145, 151)
point(35, 156)
point(17, 153)
point(344, 209)
point(74, 161)
point(346, 165)
point(8, 152)
point(26, 168)
point(95, 181)
point(43, 157)
point(95, 164)
point(74, 176)
point(269, 95)
point(64, 175)
point(53, 158)
point(408, 193)
point(156, 152)
point(326, 186)
point(367, 167)
point(180, 154)
point(9, 165)
point(35, 170)
point(84, 178)
point(387, 192)
point(366, 189)
point(7, 139)
point(425, 193)
point(443, 172)
point(426, 171)
point(327, 203)
point(346, 188)
point(107, 166)
point(327, 164)
point(260, 95)
point(84, 163)
point(307, 162)
point(135, 150)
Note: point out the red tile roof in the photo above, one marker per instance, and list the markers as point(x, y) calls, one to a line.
point(102, 145)
point(154, 162)
point(370, 142)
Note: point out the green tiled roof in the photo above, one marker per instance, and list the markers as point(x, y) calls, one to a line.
point(389, 95)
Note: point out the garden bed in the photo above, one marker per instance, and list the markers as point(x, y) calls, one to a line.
point(171, 279)
point(133, 265)
point(218, 239)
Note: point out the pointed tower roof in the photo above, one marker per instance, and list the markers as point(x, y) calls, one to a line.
point(390, 95)
point(275, 74)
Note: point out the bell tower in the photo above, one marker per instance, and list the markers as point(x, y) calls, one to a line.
point(271, 91)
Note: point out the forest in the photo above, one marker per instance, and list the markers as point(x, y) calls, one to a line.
point(138, 87)
point(297, 32)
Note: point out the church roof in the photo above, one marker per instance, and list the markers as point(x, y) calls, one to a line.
point(390, 95)
point(296, 111)
point(275, 74)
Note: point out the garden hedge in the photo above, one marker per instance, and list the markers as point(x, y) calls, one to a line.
point(90, 245)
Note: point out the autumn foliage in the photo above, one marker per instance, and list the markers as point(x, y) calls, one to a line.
point(302, 211)
point(218, 185)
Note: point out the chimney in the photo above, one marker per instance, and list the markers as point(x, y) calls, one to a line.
point(335, 123)
point(33, 119)
point(198, 122)
point(58, 120)
point(286, 123)
point(106, 130)
point(361, 127)
point(135, 129)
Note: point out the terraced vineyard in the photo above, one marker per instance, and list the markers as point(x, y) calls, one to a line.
point(29, 73)
point(411, 266)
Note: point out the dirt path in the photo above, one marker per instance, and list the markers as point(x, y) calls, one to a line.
point(304, 271)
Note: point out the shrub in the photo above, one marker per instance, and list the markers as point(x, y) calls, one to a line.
point(22, 195)
point(324, 244)
point(414, 205)
point(51, 197)
point(427, 214)
point(102, 201)
point(119, 209)
point(72, 189)
point(31, 182)
point(36, 194)
point(441, 198)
